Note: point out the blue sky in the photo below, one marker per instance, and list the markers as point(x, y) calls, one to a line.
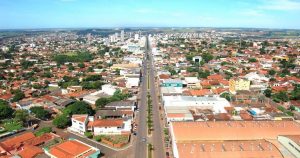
point(149, 13)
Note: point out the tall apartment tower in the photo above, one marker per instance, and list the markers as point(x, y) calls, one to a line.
point(122, 35)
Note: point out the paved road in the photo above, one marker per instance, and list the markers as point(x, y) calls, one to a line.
point(157, 138)
point(140, 146)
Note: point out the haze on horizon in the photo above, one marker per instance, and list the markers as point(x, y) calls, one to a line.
point(31, 14)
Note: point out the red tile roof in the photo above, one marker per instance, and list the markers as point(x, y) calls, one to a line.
point(15, 142)
point(233, 130)
point(30, 151)
point(228, 149)
point(106, 123)
point(69, 149)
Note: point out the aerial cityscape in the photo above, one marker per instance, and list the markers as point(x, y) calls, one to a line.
point(150, 79)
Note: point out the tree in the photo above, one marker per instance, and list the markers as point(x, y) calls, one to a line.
point(284, 72)
point(26, 64)
point(5, 110)
point(226, 95)
point(252, 60)
point(203, 74)
point(18, 95)
point(43, 131)
point(79, 107)
point(272, 72)
point(101, 102)
point(207, 57)
point(21, 115)
point(295, 94)
point(268, 93)
point(40, 112)
point(81, 65)
point(88, 134)
point(61, 121)
point(281, 96)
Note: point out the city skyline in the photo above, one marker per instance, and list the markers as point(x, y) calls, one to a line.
point(33, 14)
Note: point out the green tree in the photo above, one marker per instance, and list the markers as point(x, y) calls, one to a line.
point(81, 65)
point(268, 93)
point(40, 112)
point(88, 134)
point(18, 95)
point(101, 102)
point(62, 121)
point(295, 94)
point(281, 96)
point(79, 107)
point(21, 115)
point(252, 60)
point(43, 131)
point(226, 95)
point(272, 72)
point(207, 57)
point(5, 110)
point(203, 74)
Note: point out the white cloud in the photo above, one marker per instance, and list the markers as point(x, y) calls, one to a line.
point(252, 12)
point(282, 5)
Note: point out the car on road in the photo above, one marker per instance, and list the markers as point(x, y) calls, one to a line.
point(144, 139)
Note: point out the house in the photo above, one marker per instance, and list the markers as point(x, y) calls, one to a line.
point(122, 105)
point(216, 104)
point(24, 145)
point(238, 84)
point(110, 126)
point(72, 148)
point(132, 82)
point(172, 83)
point(197, 59)
point(79, 123)
point(192, 82)
point(112, 114)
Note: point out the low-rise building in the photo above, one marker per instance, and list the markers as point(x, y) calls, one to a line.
point(72, 148)
point(238, 84)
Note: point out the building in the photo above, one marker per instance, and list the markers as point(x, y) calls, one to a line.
point(79, 123)
point(192, 82)
point(136, 37)
point(24, 145)
point(227, 149)
point(238, 84)
point(122, 105)
point(110, 126)
point(216, 104)
point(197, 59)
point(292, 143)
point(122, 35)
point(71, 149)
point(230, 139)
point(172, 83)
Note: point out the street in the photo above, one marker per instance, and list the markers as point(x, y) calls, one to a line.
point(140, 146)
point(157, 134)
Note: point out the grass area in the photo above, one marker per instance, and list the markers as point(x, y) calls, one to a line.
point(12, 125)
point(116, 139)
point(53, 88)
point(71, 53)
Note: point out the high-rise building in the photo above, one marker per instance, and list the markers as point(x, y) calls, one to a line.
point(136, 37)
point(122, 36)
